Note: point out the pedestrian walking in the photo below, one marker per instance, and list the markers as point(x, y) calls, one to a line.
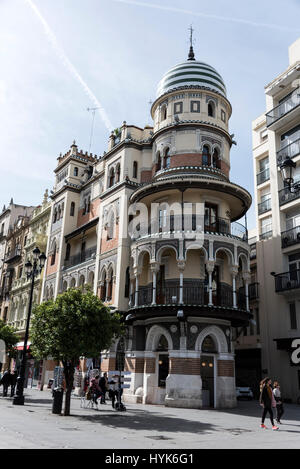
point(14, 377)
point(279, 403)
point(6, 382)
point(95, 389)
point(265, 400)
point(113, 393)
point(103, 383)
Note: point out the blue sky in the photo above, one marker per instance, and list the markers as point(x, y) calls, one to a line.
point(120, 49)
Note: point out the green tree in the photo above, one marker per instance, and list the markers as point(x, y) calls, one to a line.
point(75, 324)
point(10, 338)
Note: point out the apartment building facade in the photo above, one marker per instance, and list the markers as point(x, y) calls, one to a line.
point(276, 139)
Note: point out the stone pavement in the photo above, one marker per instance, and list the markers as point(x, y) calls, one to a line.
point(142, 426)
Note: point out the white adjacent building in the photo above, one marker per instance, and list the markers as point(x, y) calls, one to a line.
point(276, 136)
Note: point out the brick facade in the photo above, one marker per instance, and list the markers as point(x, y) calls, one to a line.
point(184, 366)
point(226, 368)
point(108, 364)
point(134, 365)
point(149, 365)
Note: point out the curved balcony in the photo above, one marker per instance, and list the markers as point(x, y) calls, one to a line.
point(238, 199)
point(195, 300)
point(190, 224)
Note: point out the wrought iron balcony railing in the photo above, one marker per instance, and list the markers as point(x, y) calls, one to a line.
point(253, 291)
point(192, 223)
point(264, 206)
point(80, 258)
point(291, 102)
point(192, 295)
point(290, 237)
point(266, 235)
point(263, 176)
point(289, 151)
point(287, 281)
point(286, 196)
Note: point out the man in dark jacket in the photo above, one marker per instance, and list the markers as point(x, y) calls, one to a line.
point(103, 383)
point(6, 382)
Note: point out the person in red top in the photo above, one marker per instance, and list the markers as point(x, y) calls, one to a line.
point(95, 389)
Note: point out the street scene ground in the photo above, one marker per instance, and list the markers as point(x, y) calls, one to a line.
point(141, 426)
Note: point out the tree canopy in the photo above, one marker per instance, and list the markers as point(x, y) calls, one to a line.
point(75, 324)
point(9, 336)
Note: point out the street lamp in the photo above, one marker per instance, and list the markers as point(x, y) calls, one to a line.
point(31, 270)
point(287, 171)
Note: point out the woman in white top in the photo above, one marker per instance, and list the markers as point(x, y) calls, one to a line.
point(278, 399)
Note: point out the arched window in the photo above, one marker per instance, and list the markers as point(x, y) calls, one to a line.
point(211, 109)
point(215, 158)
point(120, 355)
point(164, 112)
point(208, 345)
point(135, 170)
point(103, 289)
point(118, 173)
point(162, 344)
point(158, 162)
point(205, 155)
point(72, 209)
point(111, 177)
point(59, 212)
point(75, 171)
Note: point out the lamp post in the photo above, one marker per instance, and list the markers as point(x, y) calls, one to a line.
point(287, 172)
point(31, 271)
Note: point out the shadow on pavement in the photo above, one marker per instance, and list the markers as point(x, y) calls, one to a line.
point(143, 420)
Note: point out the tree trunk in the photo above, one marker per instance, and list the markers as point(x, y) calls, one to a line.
point(69, 378)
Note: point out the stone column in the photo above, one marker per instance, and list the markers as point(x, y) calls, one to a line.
point(137, 273)
point(234, 271)
point(247, 279)
point(154, 268)
point(181, 267)
point(210, 267)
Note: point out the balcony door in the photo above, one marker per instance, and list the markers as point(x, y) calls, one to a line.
point(210, 217)
point(82, 252)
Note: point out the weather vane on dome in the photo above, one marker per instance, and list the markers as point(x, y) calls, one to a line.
point(191, 52)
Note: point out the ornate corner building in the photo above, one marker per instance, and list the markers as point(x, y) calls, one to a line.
point(179, 274)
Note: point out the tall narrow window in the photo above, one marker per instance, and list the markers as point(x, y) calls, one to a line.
point(167, 159)
point(211, 109)
point(75, 171)
point(159, 163)
point(135, 170)
point(88, 204)
point(53, 255)
point(215, 158)
point(111, 177)
point(127, 283)
point(72, 209)
point(68, 251)
point(118, 173)
point(205, 156)
point(293, 315)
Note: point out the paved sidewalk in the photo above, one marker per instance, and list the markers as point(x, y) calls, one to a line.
point(142, 426)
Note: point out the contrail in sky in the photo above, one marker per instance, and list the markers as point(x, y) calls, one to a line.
point(61, 54)
point(207, 15)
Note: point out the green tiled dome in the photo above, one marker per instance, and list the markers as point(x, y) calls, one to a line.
point(191, 73)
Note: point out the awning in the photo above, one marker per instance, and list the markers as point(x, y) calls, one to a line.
point(20, 346)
